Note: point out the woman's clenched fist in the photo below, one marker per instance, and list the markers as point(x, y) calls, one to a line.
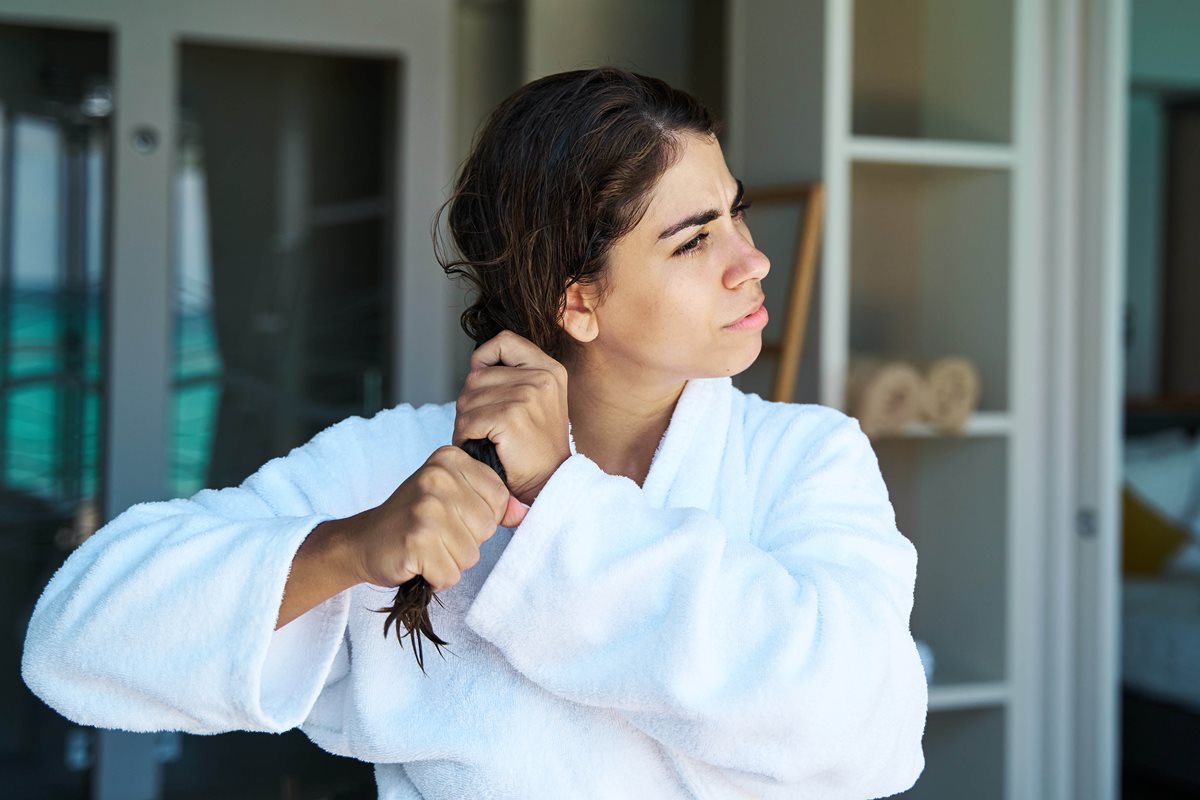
point(516, 396)
point(434, 523)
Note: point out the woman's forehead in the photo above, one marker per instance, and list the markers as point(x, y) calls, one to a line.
point(698, 181)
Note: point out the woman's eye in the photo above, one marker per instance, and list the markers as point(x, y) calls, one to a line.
point(692, 245)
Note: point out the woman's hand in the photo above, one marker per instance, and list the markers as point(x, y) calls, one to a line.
point(516, 395)
point(434, 523)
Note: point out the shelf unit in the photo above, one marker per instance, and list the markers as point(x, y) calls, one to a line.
point(910, 112)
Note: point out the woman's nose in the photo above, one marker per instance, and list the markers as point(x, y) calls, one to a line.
point(747, 263)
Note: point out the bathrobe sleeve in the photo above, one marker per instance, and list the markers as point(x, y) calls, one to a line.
point(164, 619)
point(772, 665)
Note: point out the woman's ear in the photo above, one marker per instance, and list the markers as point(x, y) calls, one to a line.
point(579, 316)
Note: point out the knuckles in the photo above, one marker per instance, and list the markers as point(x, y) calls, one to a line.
point(426, 508)
point(433, 479)
point(445, 456)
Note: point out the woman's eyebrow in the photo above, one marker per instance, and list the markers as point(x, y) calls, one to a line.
point(702, 217)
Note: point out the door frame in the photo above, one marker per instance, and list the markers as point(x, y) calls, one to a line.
point(146, 39)
point(1084, 130)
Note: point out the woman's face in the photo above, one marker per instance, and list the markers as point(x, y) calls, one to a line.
point(681, 277)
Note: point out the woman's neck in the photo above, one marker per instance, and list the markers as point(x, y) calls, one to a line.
point(617, 423)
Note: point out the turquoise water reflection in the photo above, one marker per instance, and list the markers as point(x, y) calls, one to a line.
point(54, 396)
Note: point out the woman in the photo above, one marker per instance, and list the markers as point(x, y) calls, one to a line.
point(683, 590)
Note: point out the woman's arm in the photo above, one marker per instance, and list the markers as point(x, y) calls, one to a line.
point(167, 618)
point(163, 619)
point(322, 568)
point(774, 665)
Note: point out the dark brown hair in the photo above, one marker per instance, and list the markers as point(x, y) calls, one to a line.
point(559, 172)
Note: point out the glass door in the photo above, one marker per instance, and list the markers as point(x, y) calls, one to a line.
point(55, 157)
point(214, 238)
point(282, 251)
point(281, 265)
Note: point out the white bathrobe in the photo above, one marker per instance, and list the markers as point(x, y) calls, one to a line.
point(738, 627)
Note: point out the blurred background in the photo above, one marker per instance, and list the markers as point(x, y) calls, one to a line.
point(215, 242)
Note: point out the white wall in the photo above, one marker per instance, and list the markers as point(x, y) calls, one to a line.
point(646, 37)
point(489, 62)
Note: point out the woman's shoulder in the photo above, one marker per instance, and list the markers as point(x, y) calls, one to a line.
point(402, 430)
point(425, 427)
point(429, 417)
point(812, 445)
point(773, 424)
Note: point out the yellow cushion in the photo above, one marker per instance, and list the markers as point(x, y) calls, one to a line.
point(1149, 537)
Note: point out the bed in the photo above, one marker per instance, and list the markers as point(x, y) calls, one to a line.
point(1160, 602)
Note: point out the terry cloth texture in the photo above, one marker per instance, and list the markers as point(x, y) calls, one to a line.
point(737, 627)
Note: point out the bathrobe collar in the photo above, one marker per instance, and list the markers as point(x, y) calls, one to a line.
point(695, 436)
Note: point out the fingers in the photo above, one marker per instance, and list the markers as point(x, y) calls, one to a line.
point(494, 417)
point(514, 513)
point(486, 383)
point(491, 394)
point(475, 515)
point(512, 349)
point(545, 376)
point(461, 552)
point(441, 570)
point(495, 506)
point(481, 376)
point(508, 348)
point(491, 495)
point(482, 513)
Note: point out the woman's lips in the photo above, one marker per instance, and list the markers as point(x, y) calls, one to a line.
point(755, 319)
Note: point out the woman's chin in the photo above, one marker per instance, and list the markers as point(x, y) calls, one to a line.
point(742, 361)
